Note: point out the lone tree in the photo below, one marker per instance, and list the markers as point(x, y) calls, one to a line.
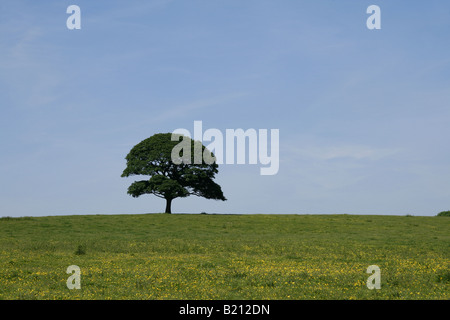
point(172, 170)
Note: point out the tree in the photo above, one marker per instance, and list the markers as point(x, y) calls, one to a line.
point(171, 179)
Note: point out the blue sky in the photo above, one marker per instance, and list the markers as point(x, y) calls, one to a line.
point(363, 114)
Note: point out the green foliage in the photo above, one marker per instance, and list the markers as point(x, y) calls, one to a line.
point(153, 157)
point(444, 214)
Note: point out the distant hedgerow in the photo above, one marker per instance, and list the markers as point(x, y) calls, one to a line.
point(444, 214)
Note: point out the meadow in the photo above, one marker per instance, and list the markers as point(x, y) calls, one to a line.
point(206, 256)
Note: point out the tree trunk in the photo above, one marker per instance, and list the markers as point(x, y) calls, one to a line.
point(168, 205)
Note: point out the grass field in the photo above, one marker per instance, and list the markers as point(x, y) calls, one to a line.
point(160, 256)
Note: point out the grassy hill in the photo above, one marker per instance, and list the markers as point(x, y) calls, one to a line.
point(159, 256)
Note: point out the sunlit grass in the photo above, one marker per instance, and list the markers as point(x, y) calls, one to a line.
point(162, 256)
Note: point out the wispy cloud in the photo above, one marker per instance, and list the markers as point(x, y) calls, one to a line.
point(184, 109)
point(353, 152)
point(326, 166)
point(126, 12)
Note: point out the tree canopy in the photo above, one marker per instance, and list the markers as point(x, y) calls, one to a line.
point(171, 179)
